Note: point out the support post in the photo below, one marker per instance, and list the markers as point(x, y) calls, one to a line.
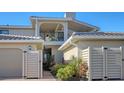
point(89, 64)
point(37, 28)
point(121, 51)
point(65, 31)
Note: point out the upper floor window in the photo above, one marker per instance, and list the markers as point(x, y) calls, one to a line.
point(4, 31)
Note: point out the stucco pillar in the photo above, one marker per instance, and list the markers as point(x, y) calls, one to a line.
point(37, 32)
point(65, 31)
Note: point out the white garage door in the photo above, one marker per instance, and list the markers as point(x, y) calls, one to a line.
point(10, 63)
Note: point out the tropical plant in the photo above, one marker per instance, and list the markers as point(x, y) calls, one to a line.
point(83, 68)
point(56, 67)
point(75, 62)
point(75, 68)
point(65, 73)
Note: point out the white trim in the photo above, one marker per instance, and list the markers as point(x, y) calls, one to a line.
point(15, 27)
point(65, 43)
point(87, 37)
point(46, 18)
point(41, 56)
point(64, 19)
point(23, 65)
point(89, 63)
point(57, 27)
point(121, 63)
point(104, 61)
point(21, 41)
point(53, 42)
point(38, 65)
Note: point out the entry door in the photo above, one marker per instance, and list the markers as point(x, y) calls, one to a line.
point(113, 63)
point(46, 58)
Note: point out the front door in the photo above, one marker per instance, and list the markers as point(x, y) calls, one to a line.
point(46, 58)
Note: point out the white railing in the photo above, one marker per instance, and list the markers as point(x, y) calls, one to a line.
point(53, 36)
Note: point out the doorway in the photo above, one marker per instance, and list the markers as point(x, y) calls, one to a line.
point(47, 57)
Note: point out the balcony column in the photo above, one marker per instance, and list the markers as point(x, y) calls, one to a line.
point(65, 31)
point(37, 32)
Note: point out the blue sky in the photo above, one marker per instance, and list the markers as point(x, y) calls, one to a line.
point(107, 21)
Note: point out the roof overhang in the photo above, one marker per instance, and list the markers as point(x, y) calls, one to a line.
point(22, 41)
point(19, 39)
point(15, 27)
point(72, 23)
point(76, 38)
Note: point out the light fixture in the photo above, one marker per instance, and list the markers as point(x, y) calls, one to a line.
point(29, 47)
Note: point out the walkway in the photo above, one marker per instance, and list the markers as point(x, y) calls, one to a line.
point(48, 76)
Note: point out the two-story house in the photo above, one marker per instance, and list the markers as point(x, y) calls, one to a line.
point(25, 51)
point(45, 35)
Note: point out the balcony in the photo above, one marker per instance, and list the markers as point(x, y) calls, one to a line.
point(53, 38)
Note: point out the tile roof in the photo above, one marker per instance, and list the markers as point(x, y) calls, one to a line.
point(17, 37)
point(76, 36)
point(98, 33)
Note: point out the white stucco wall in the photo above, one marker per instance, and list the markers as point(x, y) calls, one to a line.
point(22, 46)
point(70, 52)
point(76, 51)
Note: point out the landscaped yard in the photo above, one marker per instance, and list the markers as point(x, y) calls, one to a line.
point(75, 70)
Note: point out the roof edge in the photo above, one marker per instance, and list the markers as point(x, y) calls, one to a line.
point(92, 37)
point(21, 41)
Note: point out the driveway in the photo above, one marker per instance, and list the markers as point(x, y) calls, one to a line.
point(47, 76)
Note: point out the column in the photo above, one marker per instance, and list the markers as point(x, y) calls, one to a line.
point(37, 28)
point(65, 31)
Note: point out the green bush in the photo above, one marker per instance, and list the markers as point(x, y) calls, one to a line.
point(75, 68)
point(65, 73)
point(57, 67)
point(75, 63)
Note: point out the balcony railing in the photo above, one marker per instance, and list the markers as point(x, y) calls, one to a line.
point(53, 36)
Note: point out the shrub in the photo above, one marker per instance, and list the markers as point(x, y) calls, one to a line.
point(65, 73)
point(83, 68)
point(75, 68)
point(75, 63)
point(57, 67)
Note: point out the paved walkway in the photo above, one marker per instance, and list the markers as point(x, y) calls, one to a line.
point(47, 76)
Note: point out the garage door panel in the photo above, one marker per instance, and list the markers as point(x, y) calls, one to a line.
point(10, 62)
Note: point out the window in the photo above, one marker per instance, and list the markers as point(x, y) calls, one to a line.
point(60, 36)
point(4, 32)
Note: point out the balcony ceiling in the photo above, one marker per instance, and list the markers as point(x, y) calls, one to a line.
point(51, 27)
point(73, 24)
